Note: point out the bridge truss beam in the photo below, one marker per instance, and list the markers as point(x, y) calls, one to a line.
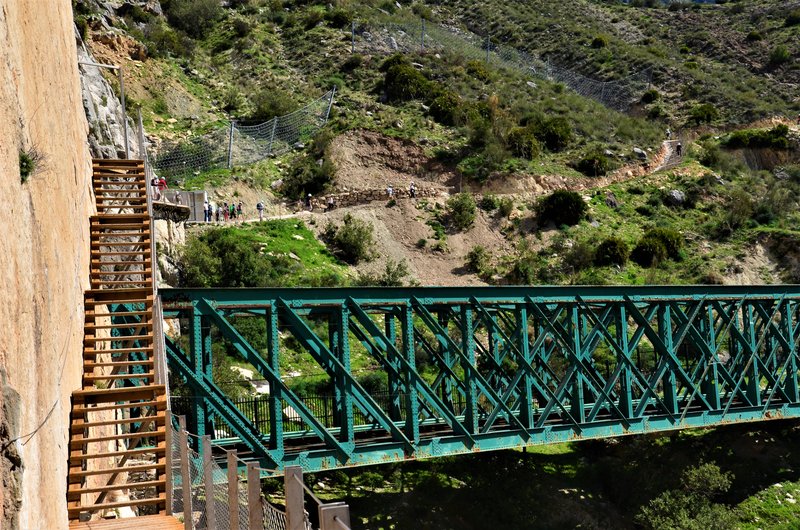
point(455, 370)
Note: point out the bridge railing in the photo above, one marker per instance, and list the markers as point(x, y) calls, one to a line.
point(213, 498)
point(475, 369)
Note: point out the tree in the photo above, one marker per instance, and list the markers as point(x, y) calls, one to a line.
point(461, 210)
point(195, 17)
point(561, 207)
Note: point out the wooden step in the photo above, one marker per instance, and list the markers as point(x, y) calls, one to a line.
point(91, 379)
point(123, 233)
point(111, 244)
point(115, 283)
point(87, 366)
point(79, 441)
point(107, 219)
point(119, 226)
point(93, 315)
point(157, 404)
point(76, 490)
point(158, 420)
point(144, 324)
point(131, 186)
point(97, 252)
point(110, 395)
point(89, 339)
point(104, 162)
point(161, 499)
point(111, 178)
point(135, 201)
point(99, 274)
point(96, 262)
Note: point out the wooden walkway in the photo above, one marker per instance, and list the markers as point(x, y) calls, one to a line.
point(117, 458)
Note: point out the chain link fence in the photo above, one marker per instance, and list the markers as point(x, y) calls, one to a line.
point(416, 35)
point(238, 144)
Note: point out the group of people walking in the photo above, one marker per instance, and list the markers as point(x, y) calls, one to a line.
point(222, 212)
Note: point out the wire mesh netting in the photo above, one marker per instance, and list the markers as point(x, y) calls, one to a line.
point(618, 94)
point(273, 517)
point(236, 144)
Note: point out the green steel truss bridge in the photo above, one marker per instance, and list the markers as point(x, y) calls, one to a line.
point(476, 369)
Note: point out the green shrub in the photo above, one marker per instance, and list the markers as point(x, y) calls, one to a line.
point(27, 164)
point(161, 41)
point(612, 251)
point(793, 18)
point(649, 252)
point(775, 138)
point(703, 113)
point(461, 210)
point(352, 62)
point(754, 36)
point(779, 55)
point(339, 17)
point(195, 17)
point(555, 133)
point(506, 207)
point(600, 41)
point(306, 176)
point(672, 240)
point(404, 82)
point(595, 163)
point(394, 60)
point(489, 203)
point(269, 103)
point(478, 70)
point(523, 142)
point(83, 26)
point(394, 275)
point(445, 108)
point(353, 241)
point(478, 259)
point(650, 96)
point(561, 207)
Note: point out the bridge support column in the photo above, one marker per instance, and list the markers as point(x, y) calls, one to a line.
point(665, 334)
point(394, 384)
point(200, 350)
point(709, 384)
point(527, 409)
point(578, 409)
point(411, 401)
point(625, 376)
point(472, 412)
point(275, 406)
point(754, 377)
point(789, 330)
point(339, 344)
point(447, 356)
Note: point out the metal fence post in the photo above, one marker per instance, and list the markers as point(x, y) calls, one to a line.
point(353, 37)
point(233, 489)
point(170, 481)
point(230, 145)
point(208, 481)
point(293, 486)
point(334, 516)
point(487, 48)
point(272, 137)
point(422, 37)
point(330, 104)
point(255, 513)
point(124, 113)
point(186, 478)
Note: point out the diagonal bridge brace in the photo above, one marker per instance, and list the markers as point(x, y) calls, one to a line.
point(221, 404)
point(332, 365)
point(419, 383)
point(252, 356)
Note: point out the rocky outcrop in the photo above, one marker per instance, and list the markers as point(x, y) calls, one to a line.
point(45, 256)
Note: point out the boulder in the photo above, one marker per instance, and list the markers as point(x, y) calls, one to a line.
point(612, 201)
point(640, 153)
point(675, 198)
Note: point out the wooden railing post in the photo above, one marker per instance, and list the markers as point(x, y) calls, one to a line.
point(170, 481)
point(233, 489)
point(293, 486)
point(255, 512)
point(208, 480)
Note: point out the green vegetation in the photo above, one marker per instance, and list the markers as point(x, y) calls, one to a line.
point(561, 208)
point(28, 161)
point(352, 241)
point(461, 211)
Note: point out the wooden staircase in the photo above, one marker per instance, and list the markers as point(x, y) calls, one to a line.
point(118, 444)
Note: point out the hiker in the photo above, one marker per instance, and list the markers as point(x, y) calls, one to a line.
point(216, 212)
point(162, 187)
point(669, 134)
point(225, 211)
point(390, 191)
point(308, 202)
point(679, 149)
point(412, 190)
point(233, 212)
point(177, 197)
point(239, 209)
point(206, 217)
point(260, 208)
point(154, 188)
point(331, 204)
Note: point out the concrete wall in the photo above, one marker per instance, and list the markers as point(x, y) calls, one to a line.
point(43, 257)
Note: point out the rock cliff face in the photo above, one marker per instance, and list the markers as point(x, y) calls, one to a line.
point(45, 253)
